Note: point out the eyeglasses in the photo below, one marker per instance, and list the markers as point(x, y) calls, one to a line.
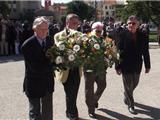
point(133, 23)
point(98, 31)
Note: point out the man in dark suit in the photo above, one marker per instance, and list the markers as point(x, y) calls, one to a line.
point(39, 79)
point(134, 48)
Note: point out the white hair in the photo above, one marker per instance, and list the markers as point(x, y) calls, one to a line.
point(38, 21)
point(97, 24)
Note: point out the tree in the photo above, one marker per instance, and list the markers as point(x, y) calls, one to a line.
point(4, 10)
point(81, 9)
point(121, 13)
point(146, 10)
point(28, 15)
point(154, 11)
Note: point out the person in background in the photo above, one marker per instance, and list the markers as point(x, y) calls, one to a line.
point(18, 31)
point(11, 37)
point(86, 28)
point(27, 32)
point(39, 79)
point(4, 37)
point(158, 35)
point(133, 44)
point(92, 77)
point(110, 28)
point(71, 77)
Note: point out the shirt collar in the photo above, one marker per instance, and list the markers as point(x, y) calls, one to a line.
point(40, 40)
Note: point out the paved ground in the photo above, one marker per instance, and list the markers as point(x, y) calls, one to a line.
point(14, 105)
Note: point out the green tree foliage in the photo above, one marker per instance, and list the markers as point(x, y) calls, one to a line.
point(4, 10)
point(28, 15)
point(145, 10)
point(121, 13)
point(155, 12)
point(81, 9)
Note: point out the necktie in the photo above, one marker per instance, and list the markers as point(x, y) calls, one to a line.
point(43, 45)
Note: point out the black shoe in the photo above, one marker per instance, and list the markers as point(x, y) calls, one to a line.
point(92, 115)
point(96, 105)
point(132, 110)
point(72, 116)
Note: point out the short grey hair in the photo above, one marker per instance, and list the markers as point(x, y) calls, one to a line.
point(133, 17)
point(97, 25)
point(38, 21)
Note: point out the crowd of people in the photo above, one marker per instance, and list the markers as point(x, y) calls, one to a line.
point(34, 40)
point(12, 34)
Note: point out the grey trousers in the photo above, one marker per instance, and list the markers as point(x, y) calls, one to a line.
point(130, 82)
point(41, 108)
point(91, 96)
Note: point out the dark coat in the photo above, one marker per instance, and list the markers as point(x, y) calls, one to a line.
point(7, 33)
point(39, 78)
point(133, 53)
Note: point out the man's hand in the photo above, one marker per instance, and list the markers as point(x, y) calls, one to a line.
point(118, 71)
point(147, 70)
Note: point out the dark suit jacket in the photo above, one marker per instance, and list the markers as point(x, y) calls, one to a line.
point(39, 78)
point(133, 52)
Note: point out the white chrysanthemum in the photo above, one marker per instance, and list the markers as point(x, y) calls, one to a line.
point(94, 40)
point(118, 56)
point(76, 48)
point(71, 57)
point(58, 60)
point(61, 47)
point(110, 56)
point(84, 37)
point(96, 46)
point(59, 43)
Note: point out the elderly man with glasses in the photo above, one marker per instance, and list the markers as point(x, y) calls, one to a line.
point(92, 77)
point(133, 45)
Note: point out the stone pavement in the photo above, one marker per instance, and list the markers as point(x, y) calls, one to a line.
point(14, 105)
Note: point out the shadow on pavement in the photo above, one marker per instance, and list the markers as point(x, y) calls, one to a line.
point(152, 112)
point(116, 115)
point(98, 117)
point(11, 58)
point(148, 110)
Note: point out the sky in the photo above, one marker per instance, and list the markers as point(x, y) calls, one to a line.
point(66, 1)
point(57, 1)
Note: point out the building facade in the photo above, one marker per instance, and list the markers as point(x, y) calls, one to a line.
point(59, 9)
point(21, 7)
point(104, 8)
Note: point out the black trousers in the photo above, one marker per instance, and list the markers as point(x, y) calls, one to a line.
point(130, 82)
point(71, 87)
point(41, 108)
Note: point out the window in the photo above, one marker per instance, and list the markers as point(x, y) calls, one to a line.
point(110, 7)
point(107, 13)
